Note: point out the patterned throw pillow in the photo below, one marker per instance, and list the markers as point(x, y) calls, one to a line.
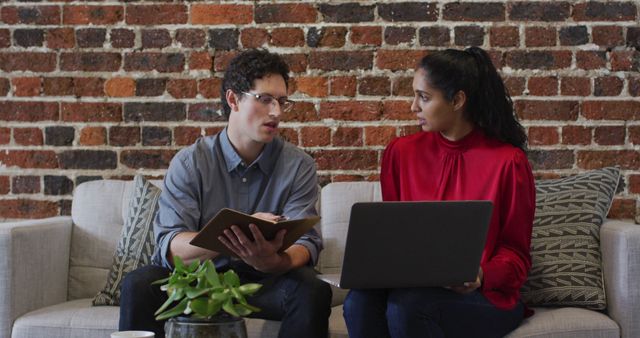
point(136, 244)
point(565, 247)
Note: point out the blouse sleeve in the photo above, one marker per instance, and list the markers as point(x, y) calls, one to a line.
point(388, 174)
point(507, 269)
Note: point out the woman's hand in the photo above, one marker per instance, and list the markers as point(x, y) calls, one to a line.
point(469, 287)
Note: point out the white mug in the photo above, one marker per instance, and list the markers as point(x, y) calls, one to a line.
point(133, 334)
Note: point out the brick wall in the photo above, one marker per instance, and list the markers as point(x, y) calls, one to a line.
point(97, 90)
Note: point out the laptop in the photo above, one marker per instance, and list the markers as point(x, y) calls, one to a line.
point(413, 244)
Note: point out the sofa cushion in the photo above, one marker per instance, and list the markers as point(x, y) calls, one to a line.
point(566, 323)
point(137, 242)
point(565, 247)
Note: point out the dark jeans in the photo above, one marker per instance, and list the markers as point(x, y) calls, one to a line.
point(426, 312)
point(297, 298)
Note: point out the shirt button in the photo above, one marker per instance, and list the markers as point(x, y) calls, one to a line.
point(244, 180)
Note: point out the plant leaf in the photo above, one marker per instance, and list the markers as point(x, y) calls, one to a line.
point(250, 307)
point(161, 281)
point(193, 266)
point(211, 274)
point(229, 308)
point(237, 295)
point(249, 288)
point(231, 278)
point(241, 310)
point(196, 292)
point(178, 309)
point(166, 304)
point(178, 264)
point(200, 306)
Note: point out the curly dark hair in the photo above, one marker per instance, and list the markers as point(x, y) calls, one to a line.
point(489, 105)
point(248, 66)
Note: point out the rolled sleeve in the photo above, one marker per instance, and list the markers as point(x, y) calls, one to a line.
point(302, 203)
point(178, 207)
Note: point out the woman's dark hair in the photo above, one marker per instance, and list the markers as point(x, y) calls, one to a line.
point(245, 68)
point(488, 105)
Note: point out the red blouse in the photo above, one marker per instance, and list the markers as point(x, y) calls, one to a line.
point(427, 167)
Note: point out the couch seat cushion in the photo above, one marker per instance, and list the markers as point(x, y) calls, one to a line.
point(78, 318)
point(567, 322)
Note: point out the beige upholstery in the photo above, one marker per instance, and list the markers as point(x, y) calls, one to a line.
point(50, 269)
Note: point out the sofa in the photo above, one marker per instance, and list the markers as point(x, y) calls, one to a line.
point(50, 269)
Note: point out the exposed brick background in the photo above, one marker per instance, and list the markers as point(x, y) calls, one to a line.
point(106, 89)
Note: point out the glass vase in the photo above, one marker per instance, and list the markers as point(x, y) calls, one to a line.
point(216, 327)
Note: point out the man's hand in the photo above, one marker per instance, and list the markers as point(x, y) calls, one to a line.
point(259, 253)
point(469, 286)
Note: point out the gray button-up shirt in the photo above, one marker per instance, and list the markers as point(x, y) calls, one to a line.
point(198, 184)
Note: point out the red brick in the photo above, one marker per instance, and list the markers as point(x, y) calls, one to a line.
point(518, 59)
point(210, 111)
point(315, 136)
point(398, 110)
point(90, 61)
point(591, 59)
point(182, 88)
point(604, 11)
point(24, 208)
point(347, 137)
point(28, 61)
point(607, 36)
point(547, 110)
point(543, 86)
point(408, 11)
point(221, 14)
point(333, 37)
point(36, 159)
point(609, 135)
point(221, 60)
point(5, 38)
point(147, 159)
point(634, 184)
point(625, 60)
point(38, 15)
point(93, 136)
point(287, 37)
point(540, 36)
point(410, 130)
point(88, 86)
point(28, 136)
point(59, 38)
point(341, 60)
point(210, 88)
point(504, 36)
point(286, 13)
point(366, 35)
point(191, 38)
point(120, 87)
point(468, 11)
point(623, 208)
point(200, 60)
point(96, 15)
point(5, 135)
point(469, 35)
point(314, 86)
point(398, 59)
point(611, 110)
point(148, 61)
point(343, 86)
point(5, 87)
point(374, 85)
point(575, 86)
point(27, 86)
point(254, 37)
point(634, 135)
point(28, 111)
point(156, 14)
point(301, 112)
point(607, 86)
point(402, 86)
point(591, 159)
point(5, 185)
point(124, 136)
point(186, 135)
point(91, 112)
point(550, 159)
point(379, 136)
point(26, 185)
point(576, 135)
point(122, 38)
point(543, 136)
point(347, 178)
point(351, 110)
point(290, 135)
point(514, 84)
point(297, 62)
point(346, 159)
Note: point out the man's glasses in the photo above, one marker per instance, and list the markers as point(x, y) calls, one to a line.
point(266, 99)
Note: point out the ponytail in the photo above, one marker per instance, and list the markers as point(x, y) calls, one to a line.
point(489, 105)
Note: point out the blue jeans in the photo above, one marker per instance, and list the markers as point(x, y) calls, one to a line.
point(297, 298)
point(426, 312)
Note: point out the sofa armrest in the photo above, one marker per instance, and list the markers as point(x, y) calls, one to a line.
point(34, 266)
point(620, 245)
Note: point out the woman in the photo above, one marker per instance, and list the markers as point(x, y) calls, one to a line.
point(472, 148)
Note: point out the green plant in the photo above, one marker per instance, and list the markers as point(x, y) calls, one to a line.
point(202, 292)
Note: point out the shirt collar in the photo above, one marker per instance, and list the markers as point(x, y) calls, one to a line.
point(233, 160)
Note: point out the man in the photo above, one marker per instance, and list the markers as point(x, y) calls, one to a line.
point(247, 168)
